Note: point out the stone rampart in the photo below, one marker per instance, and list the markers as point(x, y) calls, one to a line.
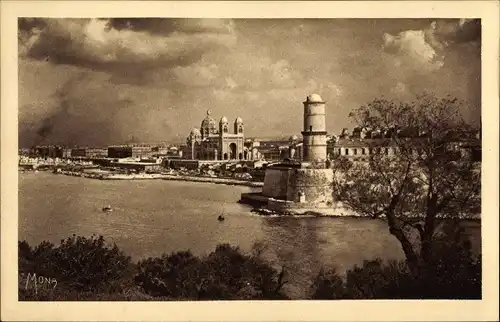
point(315, 186)
point(276, 182)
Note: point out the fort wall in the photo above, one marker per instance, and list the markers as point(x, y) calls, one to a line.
point(313, 185)
point(276, 183)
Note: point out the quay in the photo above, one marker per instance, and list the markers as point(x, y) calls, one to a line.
point(156, 176)
point(215, 180)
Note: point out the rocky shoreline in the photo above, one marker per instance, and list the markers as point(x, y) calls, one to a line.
point(330, 213)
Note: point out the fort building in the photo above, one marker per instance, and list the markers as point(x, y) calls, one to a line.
point(307, 182)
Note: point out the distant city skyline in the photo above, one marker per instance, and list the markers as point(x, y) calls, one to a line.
point(98, 82)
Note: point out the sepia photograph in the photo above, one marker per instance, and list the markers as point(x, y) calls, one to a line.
point(195, 159)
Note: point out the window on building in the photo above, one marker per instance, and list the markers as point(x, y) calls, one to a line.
point(340, 151)
point(310, 128)
point(363, 151)
point(355, 151)
point(346, 151)
point(386, 151)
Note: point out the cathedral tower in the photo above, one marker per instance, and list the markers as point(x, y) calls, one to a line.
point(238, 126)
point(314, 133)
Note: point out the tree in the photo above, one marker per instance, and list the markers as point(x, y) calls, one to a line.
point(225, 274)
point(86, 265)
point(417, 172)
point(452, 274)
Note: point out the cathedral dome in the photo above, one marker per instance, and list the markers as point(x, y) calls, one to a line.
point(195, 132)
point(208, 125)
point(238, 120)
point(223, 119)
point(314, 98)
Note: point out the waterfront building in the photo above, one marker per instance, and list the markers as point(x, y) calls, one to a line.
point(86, 152)
point(162, 150)
point(295, 148)
point(217, 143)
point(130, 151)
point(66, 153)
point(364, 142)
point(48, 151)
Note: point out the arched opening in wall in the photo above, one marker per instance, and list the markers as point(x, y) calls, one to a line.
point(224, 129)
point(240, 156)
point(240, 129)
point(225, 156)
point(232, 151)
point(245, 155)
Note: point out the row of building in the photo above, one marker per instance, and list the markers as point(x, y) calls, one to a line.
point(269, 150)
point(216, 142)
point(140, 151)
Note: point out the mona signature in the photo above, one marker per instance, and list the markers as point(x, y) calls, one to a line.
point(38, 282)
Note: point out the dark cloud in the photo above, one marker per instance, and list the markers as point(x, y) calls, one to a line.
point(88, 110)
point(461, 31)
point(123, 46)
point(28, 24)
point(162, 26)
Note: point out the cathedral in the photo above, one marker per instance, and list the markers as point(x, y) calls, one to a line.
point(212, 142)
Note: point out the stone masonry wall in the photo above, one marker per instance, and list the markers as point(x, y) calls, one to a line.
point(275, 183)
point(316, 184)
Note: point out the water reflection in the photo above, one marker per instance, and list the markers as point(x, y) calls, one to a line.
point(305, 245)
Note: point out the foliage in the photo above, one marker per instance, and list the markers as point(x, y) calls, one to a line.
point(78, 263)
point(328, 285)
point(427, 178)
point(175, 275)
point(228, 274)
point(225, 274)
point(453, 273)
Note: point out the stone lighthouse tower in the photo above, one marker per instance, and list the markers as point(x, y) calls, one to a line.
point(314, 134)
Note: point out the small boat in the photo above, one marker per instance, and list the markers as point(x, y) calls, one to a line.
point(221, 216)
point(107, 209)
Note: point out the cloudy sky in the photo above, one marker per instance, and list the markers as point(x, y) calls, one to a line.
point(104, 81)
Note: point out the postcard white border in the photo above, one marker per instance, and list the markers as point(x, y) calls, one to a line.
point(486, 309)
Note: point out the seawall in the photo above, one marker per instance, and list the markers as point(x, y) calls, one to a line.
point(154, 176)
point(215, 180)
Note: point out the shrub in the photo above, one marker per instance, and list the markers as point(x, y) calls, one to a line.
point(452, 273)
point(328, 285)
point(175, 276)
point(225, 274)
point(78, 264)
